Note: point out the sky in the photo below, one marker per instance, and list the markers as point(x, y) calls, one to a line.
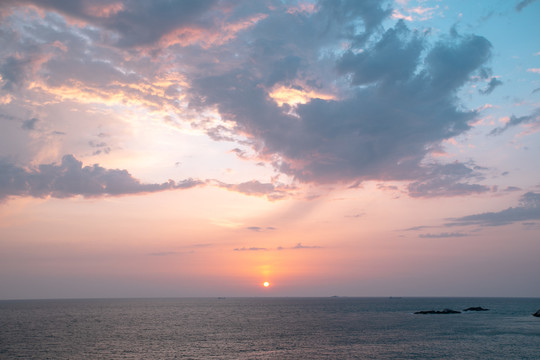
point(201, 148)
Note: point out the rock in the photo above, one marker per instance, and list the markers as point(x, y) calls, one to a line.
point(445, 311)
point(537, 314)
point(476, 308)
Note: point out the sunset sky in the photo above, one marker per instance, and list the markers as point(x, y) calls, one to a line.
point(200, 148)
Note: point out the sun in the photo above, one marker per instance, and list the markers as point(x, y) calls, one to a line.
point(266, 284)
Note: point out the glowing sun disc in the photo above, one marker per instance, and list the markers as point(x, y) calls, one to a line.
point(266, 284)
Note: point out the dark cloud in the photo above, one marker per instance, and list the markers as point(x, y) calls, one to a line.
point(15, 70)
point(347, 12)
point(259, 229)
point(527, 210)
point(101, 147)
point(523, 3)
point(379, 64)
point(70, 179)
point(400, 104)
point(137, 22)
point(493, 83)
point(514, 121)
point(12, 71)
point(417, 228)
point(240, 153)
point(447, 180)
point(299, 246)
point(283, 70)
point(29, 124)
point(143, 22)
point(442, 235)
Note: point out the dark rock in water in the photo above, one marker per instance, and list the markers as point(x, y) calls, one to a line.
point(476, 308)
point(537, 314)
point(445, 311)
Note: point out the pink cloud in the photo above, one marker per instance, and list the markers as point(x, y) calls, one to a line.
point(304, 7)
point(105, 10)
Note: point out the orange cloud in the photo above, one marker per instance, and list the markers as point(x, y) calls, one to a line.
point(397, 15)
point(287, 95)
point(208, 37)
point(153, 96)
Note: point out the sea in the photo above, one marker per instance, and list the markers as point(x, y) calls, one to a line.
point(269, 328)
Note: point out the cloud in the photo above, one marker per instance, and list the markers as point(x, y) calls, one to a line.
point(100, 147)
point(523, 3)
point(12, 72)
point(375, 101)
point(378, 64)
point(29, 124)
point(255, 188)
point(89, 71)
point(298, 246)
point(493, 83)
point(70, 178)
point(527, 210)
point(17, 69)
point(398, 105)
point(347, 12)
point(259, 229)
point(136, 22)
point(417, 13)
point(154, 25)
point(417, 228)
point(442, 235)
point(447, 180)
point(514, 121)
point(250, 249)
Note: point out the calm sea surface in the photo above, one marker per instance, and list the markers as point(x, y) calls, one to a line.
point(269, 328)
